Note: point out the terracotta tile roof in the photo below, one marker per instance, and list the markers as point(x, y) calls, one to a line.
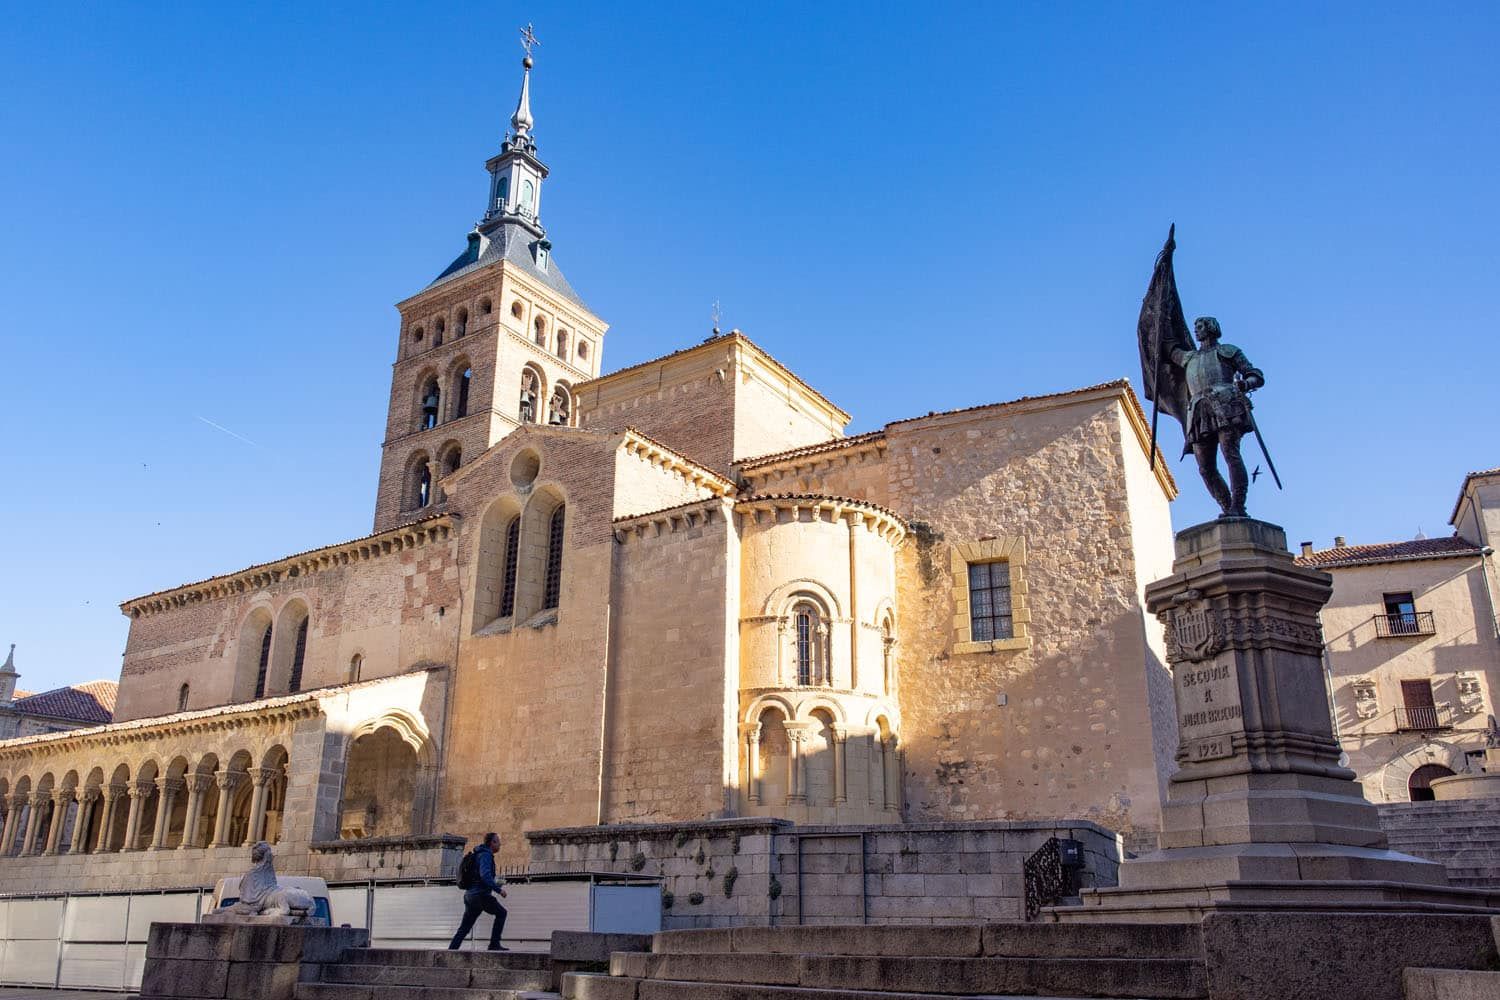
point(1452, 547)
point(1465, 488)
point(92, 702)
point(812, 449)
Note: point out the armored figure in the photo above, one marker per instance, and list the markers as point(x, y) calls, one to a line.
point(1207, 388)
point(1219, 380)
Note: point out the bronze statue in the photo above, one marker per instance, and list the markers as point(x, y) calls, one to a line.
point(1206, 388)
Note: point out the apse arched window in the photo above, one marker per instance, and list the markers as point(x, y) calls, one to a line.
point(559, 407)
point(461, 408)
point(512, 559)
point(540, 327)
point(299, 654)
point(562, 344)
point(182, 698)
point(264, 664)
point(430, 400)
point(528, 198)
point(422, 486)
point(530, 390)
point(552, 585)
point(808, 634)
point(888, 648)
point(356, 664)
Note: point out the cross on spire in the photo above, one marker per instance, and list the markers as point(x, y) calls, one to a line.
point(528, 39)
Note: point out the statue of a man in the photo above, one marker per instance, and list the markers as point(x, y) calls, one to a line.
point(1219, 380)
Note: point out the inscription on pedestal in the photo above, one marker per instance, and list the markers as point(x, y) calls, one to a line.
point(1208, 708)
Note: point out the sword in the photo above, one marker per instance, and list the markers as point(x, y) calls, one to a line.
point(1260, 440)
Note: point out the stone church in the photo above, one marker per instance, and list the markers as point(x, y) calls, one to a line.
point(668, 593)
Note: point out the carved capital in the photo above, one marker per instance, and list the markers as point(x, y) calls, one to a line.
point(751, 731)
point(169, 785)
point(142, 789)
point(201, 783)
point(62, 797)
point(116, 791)
point(39, 799)
point(18, 800)
point(840, 732)
point(90, 794)
point(261, 775)
point(230, 780)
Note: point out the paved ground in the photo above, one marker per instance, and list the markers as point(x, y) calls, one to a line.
point(39, 993)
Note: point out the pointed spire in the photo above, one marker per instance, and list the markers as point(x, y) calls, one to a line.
point(9, 666)
point(521, 121)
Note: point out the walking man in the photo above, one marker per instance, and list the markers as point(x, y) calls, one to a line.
point(476, 877)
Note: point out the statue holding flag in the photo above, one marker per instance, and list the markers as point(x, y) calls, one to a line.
point(1207, 388)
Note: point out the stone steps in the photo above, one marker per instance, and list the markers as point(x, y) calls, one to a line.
point(430, 974)
point(593, 987)
point(1012, 940)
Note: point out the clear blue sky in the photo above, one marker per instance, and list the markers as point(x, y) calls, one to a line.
point(210, 209)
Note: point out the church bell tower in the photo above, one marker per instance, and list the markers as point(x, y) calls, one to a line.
point(499, 339)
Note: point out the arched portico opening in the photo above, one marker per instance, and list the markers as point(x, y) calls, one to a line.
point(1419, 785)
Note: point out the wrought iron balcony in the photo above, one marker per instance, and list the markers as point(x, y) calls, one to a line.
point(1410, 623)
point(1427, 718)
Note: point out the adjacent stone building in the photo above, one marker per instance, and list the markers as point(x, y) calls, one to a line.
point(23, 713)
point(1413, 648)
point(671, 593)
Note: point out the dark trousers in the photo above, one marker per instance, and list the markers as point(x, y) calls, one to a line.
point(475, 904)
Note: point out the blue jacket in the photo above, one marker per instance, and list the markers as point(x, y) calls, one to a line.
point(486, 864)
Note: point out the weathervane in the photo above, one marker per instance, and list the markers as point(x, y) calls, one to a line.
point(528, 39)
point(716, 317)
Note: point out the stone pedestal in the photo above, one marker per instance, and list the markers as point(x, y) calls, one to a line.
point(1260, 814)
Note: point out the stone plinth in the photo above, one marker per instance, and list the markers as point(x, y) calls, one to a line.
point(240, 961)
point(1260, 814)
point(1485, 785)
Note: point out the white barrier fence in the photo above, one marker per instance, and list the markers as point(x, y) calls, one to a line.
point(98, 941)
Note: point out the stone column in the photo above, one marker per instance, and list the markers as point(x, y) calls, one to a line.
point(840, 772)
point(796, 763)
point(854, 522)
point(139, 791)
point(60, 800)
point(15, 804)
point(258, 775)
point(88, 799)
point(169, 787)
point(823, 665)
point(228, 782)
point(751, 732)
point(38, 800)
point(781, 643)
point(111, 798)
point(197, 784)
point(890, 773)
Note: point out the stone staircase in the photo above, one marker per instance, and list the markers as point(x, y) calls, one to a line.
point(1453, 984)
point(378, 973)
point(1158, 961)
point(1464, 835)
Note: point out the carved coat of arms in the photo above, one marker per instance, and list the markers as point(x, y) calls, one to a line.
point(1194, 632)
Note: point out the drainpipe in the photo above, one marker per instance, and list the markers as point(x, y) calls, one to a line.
point(609, 669)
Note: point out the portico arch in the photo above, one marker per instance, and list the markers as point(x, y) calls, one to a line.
point(387, 787)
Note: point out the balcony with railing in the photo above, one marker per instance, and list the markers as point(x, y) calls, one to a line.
point(1404, 624)
point(1424, 718)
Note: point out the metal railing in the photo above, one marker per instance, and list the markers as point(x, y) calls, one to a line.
point(1402, 624)
point(1424, 718)
point(1047, 880)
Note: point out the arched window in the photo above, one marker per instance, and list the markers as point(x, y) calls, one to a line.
point(422, 486)
point(560, 406)
point(516, 309)
point(461, 408)
point(462, 324)
point(552, 587)
point(430, 399)
point(356, 664)
point(452, 459)
point(583, 350)
point(502, 191)
point(808, 636)
point(888, 647)
point(182, 698)
point(540, 327)
point(299, 654)
point(562, 344)
point(437, 333)
point(528, 197)
point(265, 662)
point(512, 558)
point(485, 306)
point(530, 389)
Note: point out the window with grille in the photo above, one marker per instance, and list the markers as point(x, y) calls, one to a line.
point(182, 698)
point(265, 663)
point(462, 409)
point(805, 621)
point(989, 601)
point(512, 556)
point(551, 590)
point(294, 684)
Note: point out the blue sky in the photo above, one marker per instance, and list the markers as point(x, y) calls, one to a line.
point(210, 210)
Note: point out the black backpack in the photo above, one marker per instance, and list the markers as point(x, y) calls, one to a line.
point(468, 870)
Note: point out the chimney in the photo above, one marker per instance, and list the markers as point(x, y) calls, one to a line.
point(1338, 541)
point(1307, 549)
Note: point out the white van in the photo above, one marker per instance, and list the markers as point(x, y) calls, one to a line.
point(227, 893)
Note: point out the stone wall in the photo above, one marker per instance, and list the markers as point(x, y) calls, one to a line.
point(750, 872)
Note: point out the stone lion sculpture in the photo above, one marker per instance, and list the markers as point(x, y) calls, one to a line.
point(261, 896)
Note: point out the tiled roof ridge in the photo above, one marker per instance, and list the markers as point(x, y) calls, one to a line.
point(1447, 547)
point(723, 338)
point(1464, 488)
point(834, 444)
point(90, 701)
point(833, 497)
point(676, 506)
